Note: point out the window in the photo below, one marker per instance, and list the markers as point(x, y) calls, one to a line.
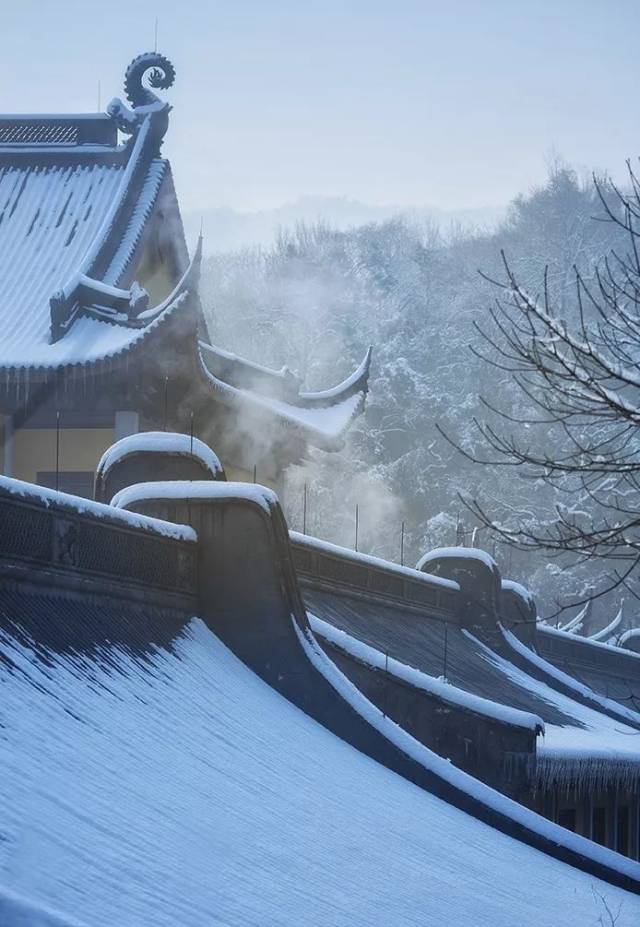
point(567, 818)
point(599, 825)
point(76, 482)
point(622, 831)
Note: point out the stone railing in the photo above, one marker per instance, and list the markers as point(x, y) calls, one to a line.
point(325, 565)
point(59, 540)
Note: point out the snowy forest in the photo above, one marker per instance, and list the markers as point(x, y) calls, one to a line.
point(419, 294)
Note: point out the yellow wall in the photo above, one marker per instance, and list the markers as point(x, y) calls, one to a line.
point(34, 449)
point(155, 279)
point(238, 475)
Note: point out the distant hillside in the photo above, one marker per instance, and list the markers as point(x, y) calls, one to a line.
point(226, 229)
point(316, 300)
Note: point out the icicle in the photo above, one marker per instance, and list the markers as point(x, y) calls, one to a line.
point(586, 774)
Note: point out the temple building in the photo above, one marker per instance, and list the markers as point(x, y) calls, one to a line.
point(103, 333)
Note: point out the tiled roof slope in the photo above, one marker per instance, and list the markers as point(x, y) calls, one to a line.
point(50, 213)
point(73, 208)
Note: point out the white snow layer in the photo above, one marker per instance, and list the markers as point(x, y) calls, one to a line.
point(160, 442)
point(439, 688)
point(457, 553)
point(513, 586)
point(183, 790)
point(194, 490)
point(83, 506)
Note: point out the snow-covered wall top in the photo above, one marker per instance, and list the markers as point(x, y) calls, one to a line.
point(160, 442)
point(196, 490)
point(511, 586)
point(457, 553)
point(63, 542)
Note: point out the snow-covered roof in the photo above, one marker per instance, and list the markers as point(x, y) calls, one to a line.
point(438, 687)
point(594, 748)
point(251, 812)
point(580, 740)
point(73, 208)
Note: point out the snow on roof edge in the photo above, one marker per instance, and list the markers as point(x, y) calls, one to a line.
point(440, 688)
point(359, 378)
point(295, 417)
point(536, 660)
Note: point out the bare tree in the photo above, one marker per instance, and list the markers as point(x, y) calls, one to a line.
point(574, 423)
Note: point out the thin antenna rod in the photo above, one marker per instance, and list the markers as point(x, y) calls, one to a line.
point(57, 451)
point(402, 545)
point(304, 510)
point(445, 655)
point(99, 97)
point(357, 513)
point(155, 36)
point(191, 433)
point(166, 399)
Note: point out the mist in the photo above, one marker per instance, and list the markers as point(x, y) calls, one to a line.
point(317, 296)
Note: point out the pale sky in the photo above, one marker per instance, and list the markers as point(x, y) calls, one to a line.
point(452, 103)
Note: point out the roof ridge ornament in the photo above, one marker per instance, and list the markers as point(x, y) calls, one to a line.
point(161, 77)
point(149, 70)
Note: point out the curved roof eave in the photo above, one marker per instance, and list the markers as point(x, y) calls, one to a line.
point(323, 428)
point(131, 339)
point(357, 382)
point(232, 367)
